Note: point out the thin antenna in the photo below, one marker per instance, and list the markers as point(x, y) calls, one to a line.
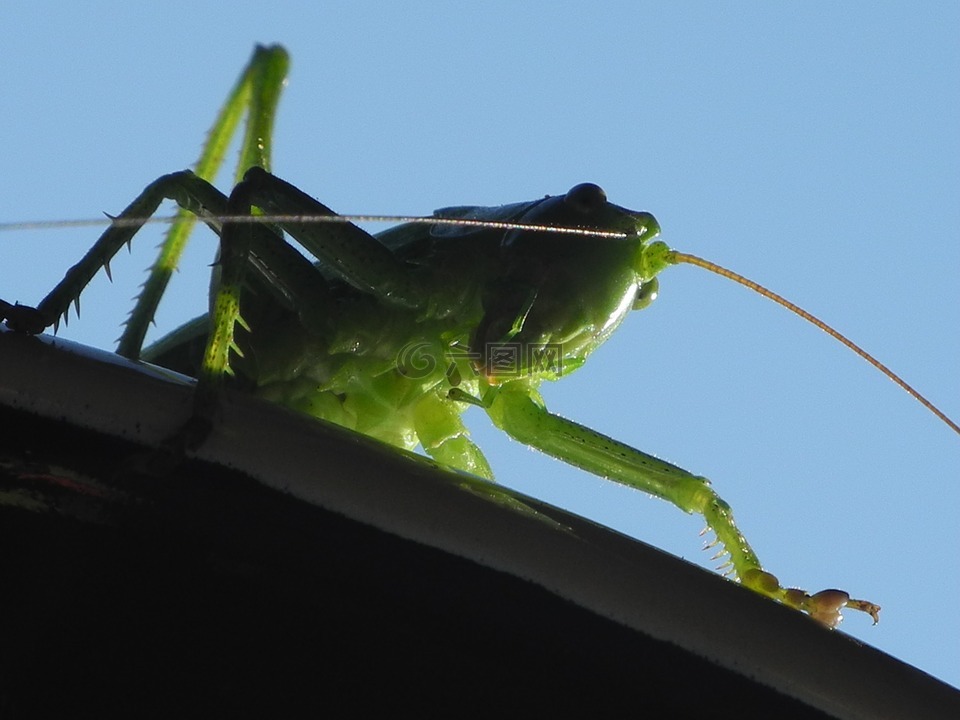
point(836, 335)
point(291, 219)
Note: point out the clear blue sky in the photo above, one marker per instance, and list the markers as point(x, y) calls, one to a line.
point(813, 146)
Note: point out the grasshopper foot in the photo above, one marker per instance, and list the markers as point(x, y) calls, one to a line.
point(189, 437)
point(23, 318)
point(162, 462)
point(825, 606)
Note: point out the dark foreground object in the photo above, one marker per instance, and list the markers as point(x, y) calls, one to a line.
point(331, 576)
point(211, 594)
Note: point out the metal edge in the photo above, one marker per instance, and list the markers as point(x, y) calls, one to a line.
point(611, 575)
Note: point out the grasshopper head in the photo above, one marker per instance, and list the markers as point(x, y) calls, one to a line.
point(561, 295)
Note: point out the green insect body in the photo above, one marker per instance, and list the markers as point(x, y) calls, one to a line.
point(396, 335)
point(387, 369)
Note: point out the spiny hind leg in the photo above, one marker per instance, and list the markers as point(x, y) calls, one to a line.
point(189, 191)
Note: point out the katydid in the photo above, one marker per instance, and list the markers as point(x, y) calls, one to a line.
point(394, 335)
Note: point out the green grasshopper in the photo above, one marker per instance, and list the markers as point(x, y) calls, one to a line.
point(395, 335)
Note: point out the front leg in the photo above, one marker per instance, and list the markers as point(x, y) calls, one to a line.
point(518, 410)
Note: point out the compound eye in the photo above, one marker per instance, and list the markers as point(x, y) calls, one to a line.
point(586, 197)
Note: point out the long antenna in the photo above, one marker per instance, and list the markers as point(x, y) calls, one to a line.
point(836, 335)
point(136, 222)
